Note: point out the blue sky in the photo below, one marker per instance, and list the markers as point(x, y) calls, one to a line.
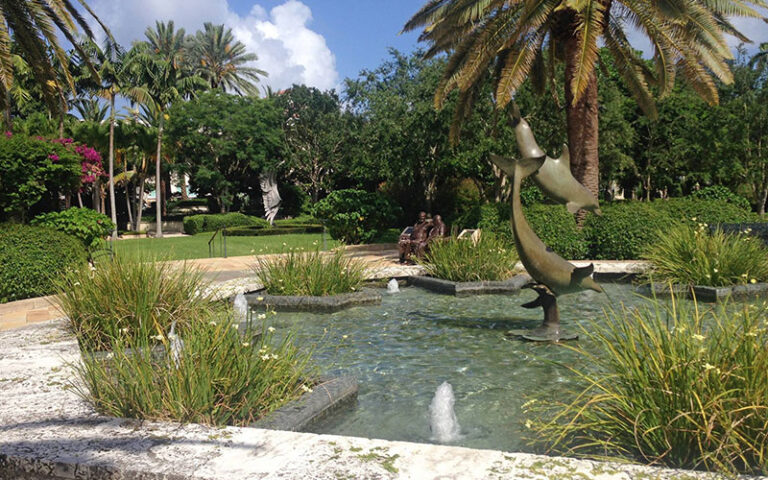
point(316, 42)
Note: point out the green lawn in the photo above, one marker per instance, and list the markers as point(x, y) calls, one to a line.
point(196, 246)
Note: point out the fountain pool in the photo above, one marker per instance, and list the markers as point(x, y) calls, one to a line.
point(402, 350)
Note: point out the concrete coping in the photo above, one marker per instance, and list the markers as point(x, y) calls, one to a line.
point(466, 289)
point(705, 293)
point(326, 304)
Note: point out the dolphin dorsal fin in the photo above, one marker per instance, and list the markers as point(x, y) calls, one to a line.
point(565, 157)
point(583, 272)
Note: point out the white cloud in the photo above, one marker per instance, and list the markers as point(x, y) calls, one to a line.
point(289, 51)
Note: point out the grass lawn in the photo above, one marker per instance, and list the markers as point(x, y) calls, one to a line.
point(196, 246)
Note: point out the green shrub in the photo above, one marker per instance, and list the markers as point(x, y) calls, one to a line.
point(86, 224)
point(624, 230)
point(310, 273)
point(258, 231)
point(462, 260)
point(194, 224)
point(669, 384)
point(222, 373)
point(711, 212)
point(688, 255)
point(356, 216)
point(32, 257)
point(300, 220)
point(724, 194)
point(390, 235)
point(558, 230)
point(144, 297)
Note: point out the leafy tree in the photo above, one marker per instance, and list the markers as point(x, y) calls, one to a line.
point(508, 41)
point(225, 140)
point(315, 135)
point(157, 65)
point(221, 60)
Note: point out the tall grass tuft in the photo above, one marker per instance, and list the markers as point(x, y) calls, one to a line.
point(691, 255)
point(462, 260)
point(121, 295)
point(667, 384)
point(310, 273)
point(213, 373)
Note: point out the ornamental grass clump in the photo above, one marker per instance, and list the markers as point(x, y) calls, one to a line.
point(666, 384)
point(143, 298)
point(310, 273)
point(210, 370)
point(691, 255)
point(462, 260)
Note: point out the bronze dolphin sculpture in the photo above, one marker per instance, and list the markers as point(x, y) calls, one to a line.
point(541, 262)
point(554, 177)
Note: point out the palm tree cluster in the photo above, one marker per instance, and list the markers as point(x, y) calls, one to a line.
point(511, 40)
point(167, 66)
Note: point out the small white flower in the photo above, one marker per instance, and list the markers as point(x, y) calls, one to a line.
point(246, 344)
point(124, 330)
point(157, 337)
point(265, 357)
point(306, 388)
point(235, 326)
point(77, 283)
point(262, 316)
point(270, 329)
point(528, 424)
point(259, 299)
point(273, 356)
point(714, 270)
point(698, 337)
point(212, 323)
point(345, 337)
point(752, 280)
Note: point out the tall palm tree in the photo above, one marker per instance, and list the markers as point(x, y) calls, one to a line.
point(91, 109)
point(507, 39)
point(220, 59)
point(109, 63)
point(158, 67)
point(35, 26)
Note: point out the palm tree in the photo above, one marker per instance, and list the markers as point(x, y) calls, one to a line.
point(507, 39)
point(760, 59)
point(35, 27)
point(109, 63)
point(159, 68)
point(216, 56)
point(91, 109)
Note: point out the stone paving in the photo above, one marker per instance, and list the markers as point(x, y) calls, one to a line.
point(48, 432)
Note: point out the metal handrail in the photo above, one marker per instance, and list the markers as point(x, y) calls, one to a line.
point(222, 244)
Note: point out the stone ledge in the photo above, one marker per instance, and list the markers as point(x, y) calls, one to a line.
point(706, 294)
point(327, 396)
point(466, 289)
point(328, 304)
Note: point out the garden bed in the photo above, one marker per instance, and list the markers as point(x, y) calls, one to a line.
point(705, 293)
point(324, 304)
point(466, 289)
point(328, 395)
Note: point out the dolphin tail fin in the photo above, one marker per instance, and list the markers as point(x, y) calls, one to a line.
point(525, 167)
point(572, 207)
point(514, 115)
point(580, 273)
point(565, 156)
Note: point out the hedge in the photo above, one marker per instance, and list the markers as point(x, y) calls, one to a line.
point(257, 231)
point(624, 230)
point(194, 224)
point(31, 258)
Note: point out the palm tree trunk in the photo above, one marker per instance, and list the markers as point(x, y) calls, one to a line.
point(582, 123)
point(112, 203)
point(158, 182)
point(139, 204)
point(128, 204)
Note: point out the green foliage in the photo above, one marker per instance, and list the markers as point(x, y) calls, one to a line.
point(226, 140)
point(670, 384)
point(84, 223)
point(390, 235)
point(709, 211)
point(624, 230)
point(558, 230)
point(258, 230)
point(462, 260)
point(32, 169)
point(310, 273)
point(689, 255)
point(142, 296)
point(224, 375)
point(718, 192)
point(299, 220)
point(356, 216)
point(32, 257)
point(205, 222)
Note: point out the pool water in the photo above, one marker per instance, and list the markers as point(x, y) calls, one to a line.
point(402, 350)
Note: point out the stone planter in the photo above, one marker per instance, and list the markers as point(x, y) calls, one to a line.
point(329, 304)
point(325, 397)
point(706, 294)
point(466, 289)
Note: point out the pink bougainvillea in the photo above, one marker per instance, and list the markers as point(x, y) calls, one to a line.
point(91, 164)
